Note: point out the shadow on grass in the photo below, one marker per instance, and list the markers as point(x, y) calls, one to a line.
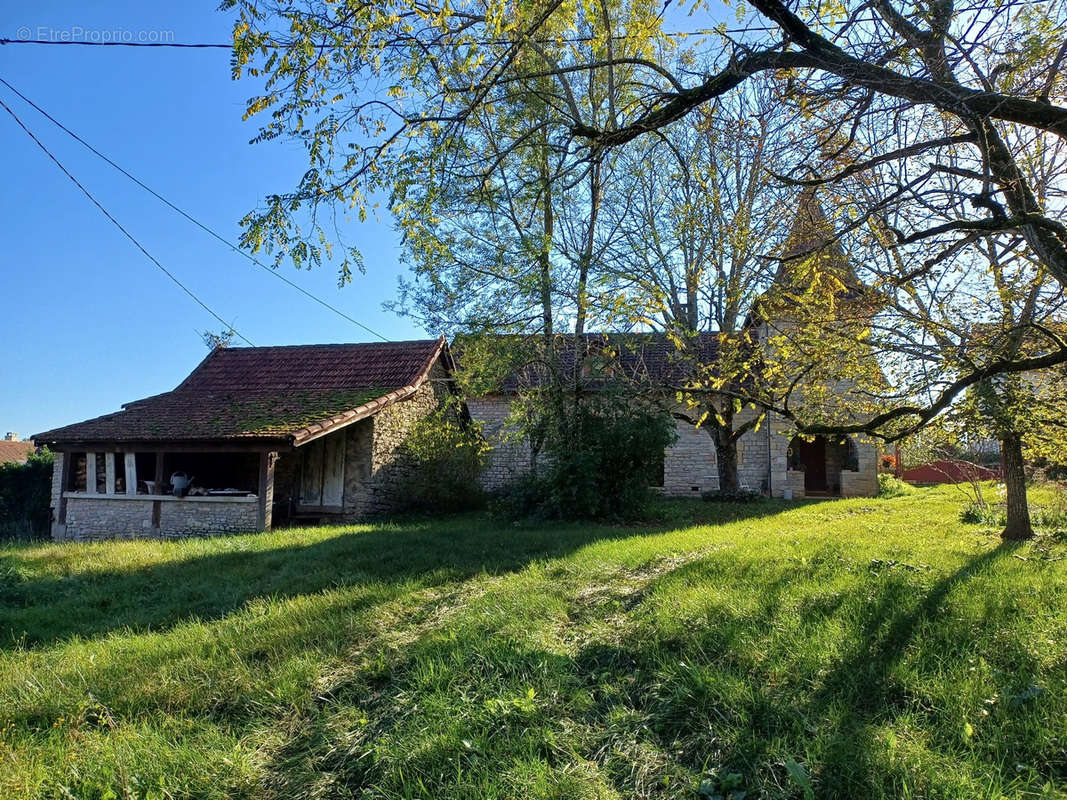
point(654, 711)
point(35, 612)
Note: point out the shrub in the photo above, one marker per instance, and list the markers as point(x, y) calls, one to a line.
point(447, 457)
point(601, 458)
point(739, 496)
point(979, 514)
point(892, 486)
point(26, 497)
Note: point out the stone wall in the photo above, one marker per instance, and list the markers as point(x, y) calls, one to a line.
point(864, 482)
point(510, 456)
point(779, 434)
point(192, 517)
point(689, 465)
point(377, 468)
point(359, 444)
point(116, 517)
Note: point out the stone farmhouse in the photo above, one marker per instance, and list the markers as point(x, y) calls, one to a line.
point(257, 435)
point(253, 434)
point(771, 459)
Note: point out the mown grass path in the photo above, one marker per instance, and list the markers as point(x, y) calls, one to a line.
point(861, 648)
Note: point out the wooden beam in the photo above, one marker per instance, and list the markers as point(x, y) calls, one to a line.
point(131, 473)
point(90, 473)
point(109, 473)
point(265, 501)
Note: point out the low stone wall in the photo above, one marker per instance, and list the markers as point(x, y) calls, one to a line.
point(180, 519)
point(115, 517)
point(859, 484)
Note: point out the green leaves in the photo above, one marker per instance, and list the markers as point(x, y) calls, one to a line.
point(799, 776)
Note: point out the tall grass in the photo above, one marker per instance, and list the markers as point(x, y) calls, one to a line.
point(861, 648)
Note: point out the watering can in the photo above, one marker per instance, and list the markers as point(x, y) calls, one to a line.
point(180, 482)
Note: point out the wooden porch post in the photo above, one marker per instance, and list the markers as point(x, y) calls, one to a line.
point(109, 473)
point(266, 490)
point(90, 473)
point(131, 473)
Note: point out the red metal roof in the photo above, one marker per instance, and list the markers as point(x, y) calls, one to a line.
point(269, 393)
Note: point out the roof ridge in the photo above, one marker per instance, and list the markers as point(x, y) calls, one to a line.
point(244, 349)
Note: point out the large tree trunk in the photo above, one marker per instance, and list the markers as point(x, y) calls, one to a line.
point(726, 460)
point(722, 434)
point(1018, 526)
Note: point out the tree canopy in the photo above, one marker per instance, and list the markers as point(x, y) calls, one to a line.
point(496, 131)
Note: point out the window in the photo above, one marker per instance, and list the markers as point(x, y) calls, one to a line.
point(101, 472)
point(852, 456)
point(146, 471)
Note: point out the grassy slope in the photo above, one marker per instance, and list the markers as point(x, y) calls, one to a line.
point(874, 648)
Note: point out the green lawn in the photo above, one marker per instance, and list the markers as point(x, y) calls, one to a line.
point(849, 649)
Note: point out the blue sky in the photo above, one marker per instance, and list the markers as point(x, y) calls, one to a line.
point(88, 322)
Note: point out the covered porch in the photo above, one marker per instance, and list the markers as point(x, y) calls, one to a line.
point(160, 489)
point(827, 467)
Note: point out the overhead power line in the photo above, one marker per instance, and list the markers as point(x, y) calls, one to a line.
point(204, 227)
point(547, 40)
point(193, 46)
point(118, 225)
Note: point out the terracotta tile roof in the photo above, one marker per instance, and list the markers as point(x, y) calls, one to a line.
point(15, 452)
point(273, 393)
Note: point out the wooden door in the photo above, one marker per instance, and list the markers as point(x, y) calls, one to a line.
point(311, 475)
point(322, 477)
point(333, 470)
point(813, 456)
